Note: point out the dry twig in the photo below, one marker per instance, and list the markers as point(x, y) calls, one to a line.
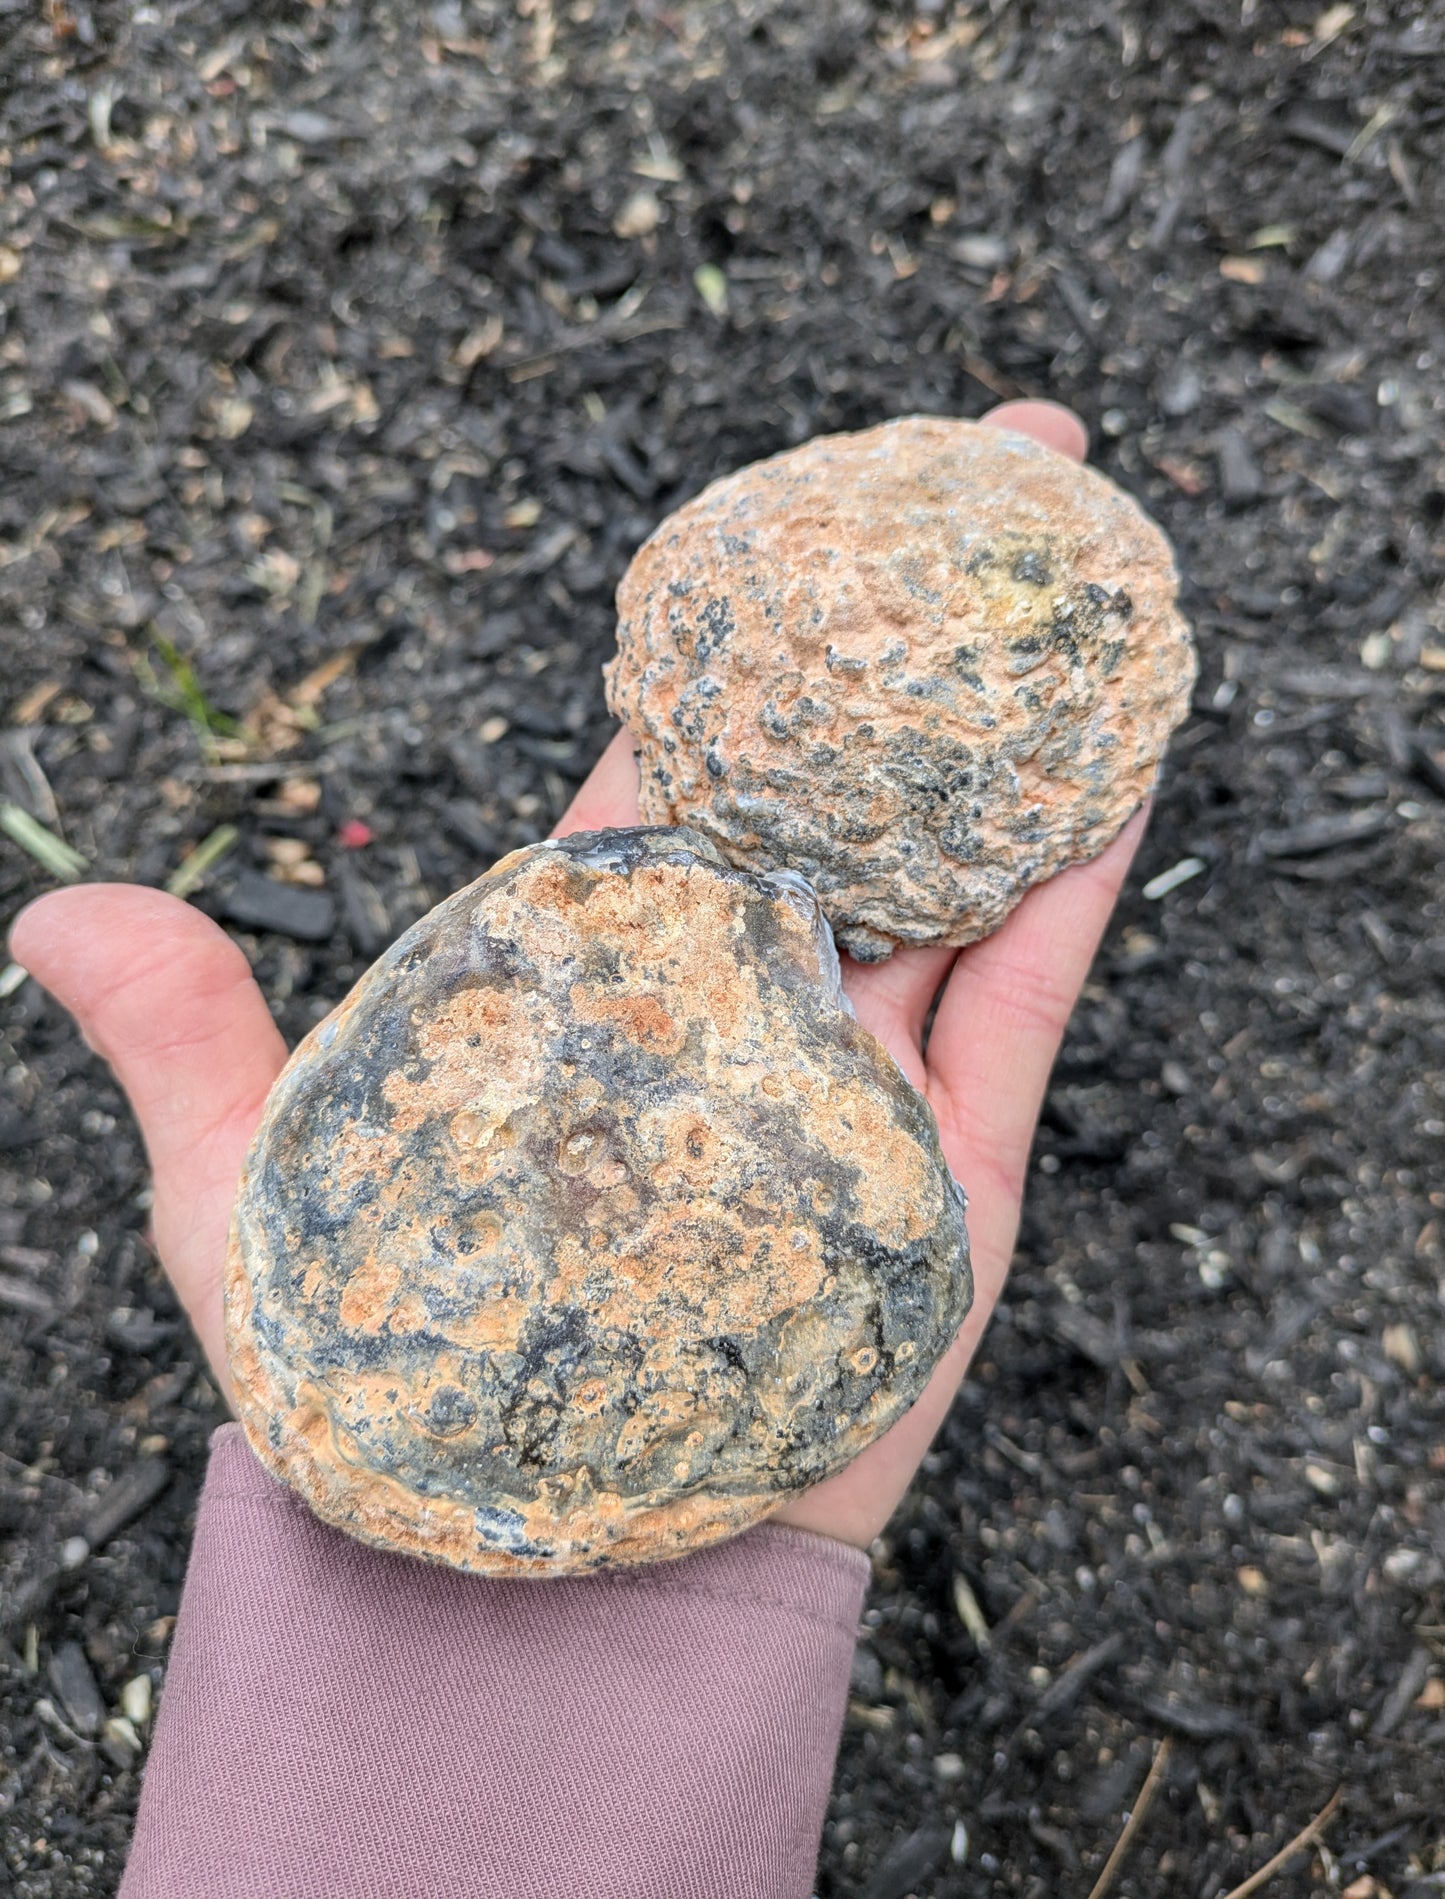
point(1304, 1837)
point(1134, 1822)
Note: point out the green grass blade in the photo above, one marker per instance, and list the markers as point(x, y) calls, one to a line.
point(194, 869)
point(44, 846)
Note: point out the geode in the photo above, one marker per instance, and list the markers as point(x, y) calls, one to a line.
point(925, 666)
point(591, 1224)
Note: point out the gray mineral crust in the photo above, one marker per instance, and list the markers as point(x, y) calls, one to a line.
point(591, 1225)
point(925, 666)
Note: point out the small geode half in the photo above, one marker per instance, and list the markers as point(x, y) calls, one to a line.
point(591, 1224)
point(925, 666)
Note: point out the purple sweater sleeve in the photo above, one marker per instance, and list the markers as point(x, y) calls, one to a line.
point(337, 1721)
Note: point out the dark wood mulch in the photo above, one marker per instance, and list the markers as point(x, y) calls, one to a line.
point(345, 356)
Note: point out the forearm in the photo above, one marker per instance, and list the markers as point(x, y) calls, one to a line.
point(339, 1721)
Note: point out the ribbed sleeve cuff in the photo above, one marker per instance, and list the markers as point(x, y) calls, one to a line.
point(338, 1721)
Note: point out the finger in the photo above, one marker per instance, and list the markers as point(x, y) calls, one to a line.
point(169, 1001)
point(608, 795)
point(1000, 1020)
point(1003, 1014)
point(892, 1000)
point(1047, 422)
point(998, 1028)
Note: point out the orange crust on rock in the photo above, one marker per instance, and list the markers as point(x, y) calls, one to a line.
point(591, 1224)
point(925, 666)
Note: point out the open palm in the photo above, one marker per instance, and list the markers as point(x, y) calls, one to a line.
point(169, 1001)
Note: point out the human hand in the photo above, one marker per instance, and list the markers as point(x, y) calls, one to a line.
point(164, 996)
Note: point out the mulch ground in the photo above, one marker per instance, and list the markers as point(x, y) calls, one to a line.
point(346, 354)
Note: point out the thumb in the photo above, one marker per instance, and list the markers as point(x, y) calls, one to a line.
point(169, 1001)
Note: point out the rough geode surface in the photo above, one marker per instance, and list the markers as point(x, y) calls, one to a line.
point(925, 666)
point(591, 1224)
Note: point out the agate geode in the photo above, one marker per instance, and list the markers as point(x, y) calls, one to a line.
point(591, 1224)
point(925, 666)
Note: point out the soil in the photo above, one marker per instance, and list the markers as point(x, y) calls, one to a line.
point(346, 355)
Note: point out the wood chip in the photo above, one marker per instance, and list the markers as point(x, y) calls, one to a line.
point(1066, 1688)
point(1397, 1704)
point(27, 710)
point(970, 1614)
point(74, 1684)
point(20, 1296)
point(133, 1491)
point(1325, 833)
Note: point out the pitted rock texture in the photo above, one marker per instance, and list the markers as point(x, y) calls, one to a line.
point(591, 1224)
point(925, 666)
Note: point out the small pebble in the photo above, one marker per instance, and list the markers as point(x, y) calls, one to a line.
point(639, 216)
point(1402, 1348)
point(75, 1687)
point(1239, 478)
point(1181, 392)
point(135, 1700)
point(120, 1741)
point(1172, 878)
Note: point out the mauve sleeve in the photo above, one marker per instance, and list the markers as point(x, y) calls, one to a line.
point(342, 1724)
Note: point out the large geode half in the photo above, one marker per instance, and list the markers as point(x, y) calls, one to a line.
point(591, 1224)
point(925, 666)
